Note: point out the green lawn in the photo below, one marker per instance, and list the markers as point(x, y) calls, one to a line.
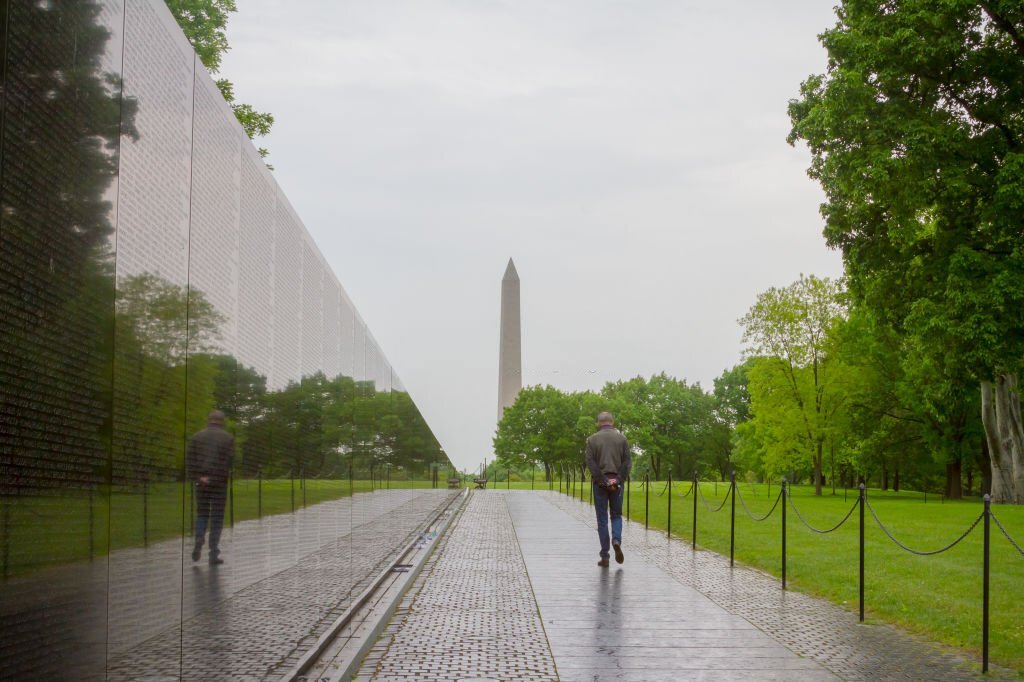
point(938, 596)
point(37, 532)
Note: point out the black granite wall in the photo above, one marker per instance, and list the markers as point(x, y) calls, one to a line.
point(151, 270)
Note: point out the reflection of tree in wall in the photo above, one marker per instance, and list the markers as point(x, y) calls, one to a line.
point(313, 427)
point(63, 116)
point(164, 376)
point(319, 426)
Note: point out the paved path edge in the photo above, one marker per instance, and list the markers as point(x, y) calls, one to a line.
point(382, 612)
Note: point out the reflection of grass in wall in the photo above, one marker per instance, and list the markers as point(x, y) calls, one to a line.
point(40, 532)
point(937, 596)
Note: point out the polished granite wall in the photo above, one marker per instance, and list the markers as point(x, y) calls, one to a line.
point(151, 270)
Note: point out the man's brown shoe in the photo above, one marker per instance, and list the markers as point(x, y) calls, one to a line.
point(619, 558)
point(603, 563)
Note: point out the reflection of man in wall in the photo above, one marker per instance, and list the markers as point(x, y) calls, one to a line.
point(609, 461)
point(210, 453)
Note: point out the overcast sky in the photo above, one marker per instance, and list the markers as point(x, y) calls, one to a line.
point(630, 156)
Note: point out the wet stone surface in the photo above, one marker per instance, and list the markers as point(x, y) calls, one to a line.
point(471, 613)
point(635, 621)
point(811, 627)
point(252, 623)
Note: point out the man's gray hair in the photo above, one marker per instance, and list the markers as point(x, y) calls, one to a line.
point(215, 416)
point(605, 418)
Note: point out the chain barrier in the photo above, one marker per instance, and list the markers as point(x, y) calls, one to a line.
point(917, 552)
point(687, 493)
point(708, 506)
point(746, 509)
point(1006, 534)
point(818, 530)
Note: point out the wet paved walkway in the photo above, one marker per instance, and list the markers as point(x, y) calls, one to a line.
point(668, 613)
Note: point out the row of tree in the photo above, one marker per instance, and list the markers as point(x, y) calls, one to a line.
point(672, 426)
point(834, 391)
point(826, 394)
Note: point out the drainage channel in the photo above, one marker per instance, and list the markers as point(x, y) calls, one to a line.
point(339, 651)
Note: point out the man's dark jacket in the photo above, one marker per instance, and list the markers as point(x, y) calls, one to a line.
point(608, 453)
point(210, 453)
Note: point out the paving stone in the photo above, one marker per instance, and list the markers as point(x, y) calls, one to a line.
point(471, 612)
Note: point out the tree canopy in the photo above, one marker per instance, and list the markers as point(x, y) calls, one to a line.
point(915, 133)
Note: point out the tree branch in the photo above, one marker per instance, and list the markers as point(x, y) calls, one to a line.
point(1010, 137)
point(1005, 24)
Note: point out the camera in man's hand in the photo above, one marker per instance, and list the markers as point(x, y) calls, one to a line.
point(612, 484)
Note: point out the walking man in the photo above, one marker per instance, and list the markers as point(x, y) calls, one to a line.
point(609, 461)
point(210, 453)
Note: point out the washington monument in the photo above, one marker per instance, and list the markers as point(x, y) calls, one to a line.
point(510, 352)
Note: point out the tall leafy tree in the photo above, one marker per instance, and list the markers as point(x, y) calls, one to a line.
point(541, 426)
point(796, 387)
point(916, 133)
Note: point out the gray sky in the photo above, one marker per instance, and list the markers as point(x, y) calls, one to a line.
point(630, 156)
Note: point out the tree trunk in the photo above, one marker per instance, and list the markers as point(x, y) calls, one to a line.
point(954, 475)
point(985, 467)
point(1004, 433)
point(817, 470)
point(832, 465)
point(885, 477)
point(896, 480)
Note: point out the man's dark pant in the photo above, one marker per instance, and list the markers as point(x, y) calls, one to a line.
point(210, 499)
point(602, 501)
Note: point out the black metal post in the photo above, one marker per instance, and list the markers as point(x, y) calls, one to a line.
point(590, 489)
point(92, 531)
point(647, 499)
point(533, 475)
point(695, 484)
point(627, 497)
point(732, 522)
point(783, 533)
point(668, 531)
point(231, 499)
point(863, 493)
point(145, 513)
point(291, 482)
point(259, 492)
point(508, 479)
point(7, 537)
point(985, 588)
point(302, 484)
